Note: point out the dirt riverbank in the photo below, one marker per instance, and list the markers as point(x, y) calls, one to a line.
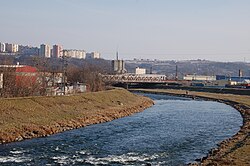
point(31, 117)
point(233, 151)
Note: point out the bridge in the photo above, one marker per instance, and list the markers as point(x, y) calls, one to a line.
point(138, 79)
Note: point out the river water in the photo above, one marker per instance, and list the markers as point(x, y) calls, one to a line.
point(175, 131)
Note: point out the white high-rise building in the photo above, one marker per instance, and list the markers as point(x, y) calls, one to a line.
point(79, 54)
point(45, 51)
point(2, 47)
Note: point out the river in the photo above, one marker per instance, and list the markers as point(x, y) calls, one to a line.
point(175, 131)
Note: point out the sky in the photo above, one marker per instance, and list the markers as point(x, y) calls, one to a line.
point(217, 30)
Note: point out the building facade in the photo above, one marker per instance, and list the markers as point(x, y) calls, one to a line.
point(199, 78)
point(119, 66)
point(11, 48)
point(79, 54)
point(2, 47)
point(93, 55)
point(17, 75)
point(57, 51)
point(28, 50)
point(45, 51)
point(140, 71)
point(232, 78)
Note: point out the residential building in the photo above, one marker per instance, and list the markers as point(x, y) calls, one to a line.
point(57, 51)
point(45, 51)
point(2, 47)
point(79, 54)
point(11, 48)
point(28, 50)
point(93, 55)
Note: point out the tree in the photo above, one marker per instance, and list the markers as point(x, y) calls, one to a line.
point(88, 74)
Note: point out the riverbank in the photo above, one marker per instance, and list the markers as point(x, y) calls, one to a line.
point(31, 117)
point(233, 151)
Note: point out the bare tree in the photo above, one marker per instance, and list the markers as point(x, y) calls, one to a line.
point(88, 74)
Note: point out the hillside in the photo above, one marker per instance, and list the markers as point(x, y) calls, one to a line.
point(199, 67)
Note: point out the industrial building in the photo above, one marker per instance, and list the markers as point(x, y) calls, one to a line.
point(199, 78)
point(235, 81)
point(140, 70)
point(232, 78)
point(118, 66)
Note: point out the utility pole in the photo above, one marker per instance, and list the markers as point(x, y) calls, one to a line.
point(151, 70)
point(176, 73)
point(64, 72)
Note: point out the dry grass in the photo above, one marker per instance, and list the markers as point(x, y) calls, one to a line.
point(237, 98)
point(18, 112)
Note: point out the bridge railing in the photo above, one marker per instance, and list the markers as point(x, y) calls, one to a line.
point(135, 78)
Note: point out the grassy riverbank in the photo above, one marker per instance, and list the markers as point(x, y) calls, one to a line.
point(234, 151)
point(24, 118)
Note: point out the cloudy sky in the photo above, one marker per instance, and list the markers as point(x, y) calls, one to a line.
point(216, 30)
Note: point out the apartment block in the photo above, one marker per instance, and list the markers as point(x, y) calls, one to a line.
point(28, 50)
point(79, 54)
point(2, 47)
point(45, 50)
point(93, 55)
point(57, 51)
point(11, 48)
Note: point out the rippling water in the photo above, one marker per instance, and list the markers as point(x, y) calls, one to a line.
point(174, 131)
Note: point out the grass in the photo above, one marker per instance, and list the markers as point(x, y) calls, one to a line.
point(19, 112)
point(243, 99)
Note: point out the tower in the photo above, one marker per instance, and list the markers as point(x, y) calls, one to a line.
point(117, 58)
point(118, 65)
point(176, 72)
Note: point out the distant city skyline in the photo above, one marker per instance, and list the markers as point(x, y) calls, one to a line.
point(217, 30)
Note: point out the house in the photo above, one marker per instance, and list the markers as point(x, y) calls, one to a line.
point(17, 75)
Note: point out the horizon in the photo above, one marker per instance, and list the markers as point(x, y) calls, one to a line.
point(142, 29)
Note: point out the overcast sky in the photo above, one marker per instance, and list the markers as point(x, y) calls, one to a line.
point(216, 30)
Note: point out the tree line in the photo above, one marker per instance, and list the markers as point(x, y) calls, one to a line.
point(87, 72)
